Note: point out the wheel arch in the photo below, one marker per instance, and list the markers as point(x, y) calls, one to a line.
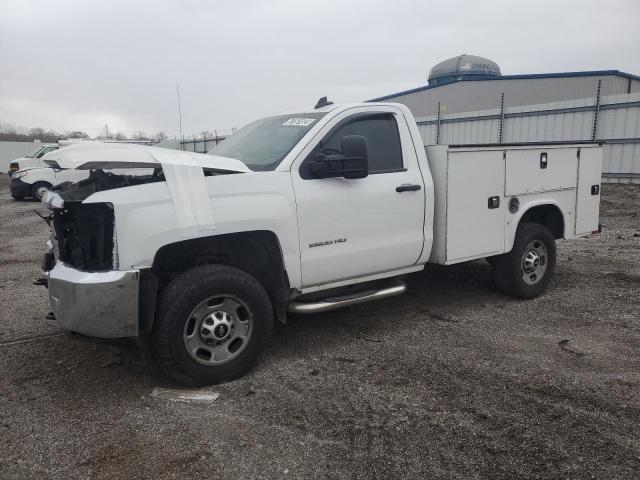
point(544, 212)
point(39, 182)
point(257, 253)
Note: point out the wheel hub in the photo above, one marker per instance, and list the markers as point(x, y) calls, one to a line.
point(216, 327)
point(218, 330)
point(534, 262)
point(531, 261)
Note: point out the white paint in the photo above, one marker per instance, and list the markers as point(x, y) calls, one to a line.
point(183, 173)
point(383, 229)
point(75, 156)
point(466, 229)
point(524, 174)
point(385, 232)
point(473, 229)
point(185, 180)
point(588, 205)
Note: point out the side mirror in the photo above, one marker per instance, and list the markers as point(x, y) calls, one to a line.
point(353, 162)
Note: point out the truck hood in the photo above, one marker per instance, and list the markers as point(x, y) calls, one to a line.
point(116, 155)
point(184, 173)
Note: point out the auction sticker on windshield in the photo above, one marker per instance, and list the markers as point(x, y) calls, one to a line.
point(299, 122)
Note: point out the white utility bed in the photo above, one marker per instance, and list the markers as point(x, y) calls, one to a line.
point(470, 222)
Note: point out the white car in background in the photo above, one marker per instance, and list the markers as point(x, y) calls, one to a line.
point(35, 182)
point(33, 160)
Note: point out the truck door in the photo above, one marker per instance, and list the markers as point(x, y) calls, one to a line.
point(356, 227)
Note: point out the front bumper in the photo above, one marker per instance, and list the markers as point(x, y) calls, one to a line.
point(95, 304)
point(20, 188)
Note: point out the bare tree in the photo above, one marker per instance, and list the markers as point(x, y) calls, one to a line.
point(76, 134)
point(12, 133)
point(37, 133)
point(140, 135)
point(160, 137)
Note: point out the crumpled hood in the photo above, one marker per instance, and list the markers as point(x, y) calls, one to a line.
point(184, 173)
point(97, 155)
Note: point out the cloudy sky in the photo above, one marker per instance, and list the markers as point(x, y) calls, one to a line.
point(81, 64)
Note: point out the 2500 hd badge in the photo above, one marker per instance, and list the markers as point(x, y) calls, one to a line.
point(328, 242)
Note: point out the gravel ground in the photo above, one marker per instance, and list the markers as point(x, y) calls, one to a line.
point(451, 380)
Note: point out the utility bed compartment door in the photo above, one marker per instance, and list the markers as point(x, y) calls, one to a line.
point(588, 200)
point(473, 228)
point(540, 170)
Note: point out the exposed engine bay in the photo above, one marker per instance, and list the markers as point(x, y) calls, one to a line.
point(100, 180)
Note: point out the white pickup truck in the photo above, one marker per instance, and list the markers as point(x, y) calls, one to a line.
point(32, 160)
point(301, 212)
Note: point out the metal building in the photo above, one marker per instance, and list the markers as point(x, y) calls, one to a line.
point(467, 100)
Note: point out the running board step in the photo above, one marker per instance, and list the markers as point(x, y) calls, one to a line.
point(348, 300)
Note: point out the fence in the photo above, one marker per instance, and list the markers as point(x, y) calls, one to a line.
point(201, 145)
point(614, 120)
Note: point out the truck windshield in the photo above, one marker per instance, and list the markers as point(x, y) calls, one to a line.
point(34, 153)
point(263, 144)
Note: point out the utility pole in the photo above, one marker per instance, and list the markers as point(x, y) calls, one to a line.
point(180, 116)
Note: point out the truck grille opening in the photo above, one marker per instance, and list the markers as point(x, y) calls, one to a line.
point(84, 233)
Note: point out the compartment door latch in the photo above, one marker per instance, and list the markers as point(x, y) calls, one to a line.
point(543, 160)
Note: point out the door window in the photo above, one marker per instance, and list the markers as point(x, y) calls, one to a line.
point(383, 142)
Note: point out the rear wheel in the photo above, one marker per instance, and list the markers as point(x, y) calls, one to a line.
point(213, 323)
point(17, 197)
point(527, 269)
point(39, 189)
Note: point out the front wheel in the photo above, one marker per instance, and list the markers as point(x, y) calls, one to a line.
point(527, 269)
point(39, 189)
point(213, 323)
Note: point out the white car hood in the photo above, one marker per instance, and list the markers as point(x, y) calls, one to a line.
point(183, 172)
point(118, 155)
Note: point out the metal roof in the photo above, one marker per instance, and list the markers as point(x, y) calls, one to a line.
point(593, 73)
point(462, 65)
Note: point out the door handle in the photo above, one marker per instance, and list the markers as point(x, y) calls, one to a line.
point(407, 187)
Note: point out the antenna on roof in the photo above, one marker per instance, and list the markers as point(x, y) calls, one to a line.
point(322, 102)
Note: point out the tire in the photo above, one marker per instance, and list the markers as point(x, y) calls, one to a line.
point(37, 189)
point(225, 303)
point(17, 197)
point(527, 269)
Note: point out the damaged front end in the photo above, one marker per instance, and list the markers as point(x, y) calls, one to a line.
point(88, 293)
point(89, 290)
point(100, 180)
point(84, 233)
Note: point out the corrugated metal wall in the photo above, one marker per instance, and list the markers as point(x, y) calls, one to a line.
point(614, 119)
point(467, 96)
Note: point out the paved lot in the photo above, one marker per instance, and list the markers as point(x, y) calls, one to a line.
point(451, 380)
